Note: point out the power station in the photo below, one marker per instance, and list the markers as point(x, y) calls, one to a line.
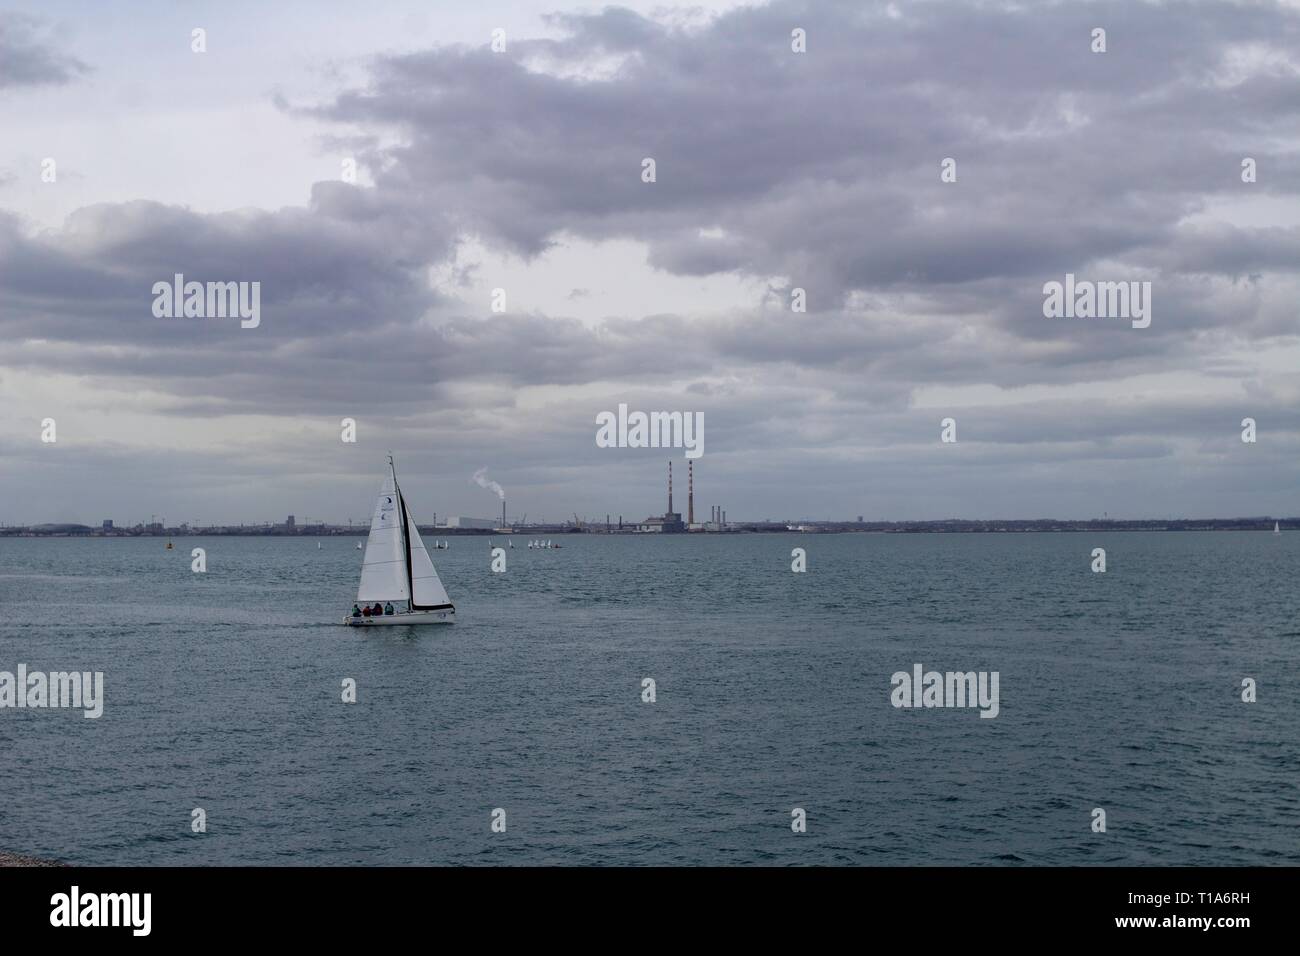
point(670, 522)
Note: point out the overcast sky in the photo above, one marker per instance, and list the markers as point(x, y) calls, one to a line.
point(522, 170)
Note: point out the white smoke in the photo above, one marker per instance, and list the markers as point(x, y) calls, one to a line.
point(481, 479)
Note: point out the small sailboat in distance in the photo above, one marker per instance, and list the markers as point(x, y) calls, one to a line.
point(1277, 527)
point(397, 568)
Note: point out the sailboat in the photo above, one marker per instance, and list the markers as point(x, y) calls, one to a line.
point(396, 568)
point(1277, 528)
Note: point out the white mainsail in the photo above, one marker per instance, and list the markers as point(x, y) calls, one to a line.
point(383, 569)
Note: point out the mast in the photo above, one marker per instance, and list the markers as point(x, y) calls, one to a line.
point(406, 541)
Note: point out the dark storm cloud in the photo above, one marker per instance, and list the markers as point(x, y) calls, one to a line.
point(29, 59)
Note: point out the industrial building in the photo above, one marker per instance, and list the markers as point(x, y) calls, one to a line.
point(481, 524)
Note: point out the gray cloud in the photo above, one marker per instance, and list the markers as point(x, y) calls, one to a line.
point(818, 170)
point(29, 59)
point(825, 165)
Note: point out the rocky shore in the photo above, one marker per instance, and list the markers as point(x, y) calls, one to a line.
point(14, 859)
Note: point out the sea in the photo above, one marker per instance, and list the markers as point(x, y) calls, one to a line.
point(526, 733)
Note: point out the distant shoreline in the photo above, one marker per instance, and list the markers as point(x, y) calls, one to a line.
point(953, 526)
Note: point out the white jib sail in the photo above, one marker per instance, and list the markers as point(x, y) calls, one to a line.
point(427, 587)
point(383, 569)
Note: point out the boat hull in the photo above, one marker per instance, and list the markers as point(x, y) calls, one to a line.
point(404, 619)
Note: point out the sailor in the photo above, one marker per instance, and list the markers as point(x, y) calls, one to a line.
point(377, 610)
point(356, 611)
point(388, 608)
point(365, 611)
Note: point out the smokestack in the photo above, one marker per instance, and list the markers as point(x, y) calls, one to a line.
point(670, 487)
point(690, 493)
point(503, 514)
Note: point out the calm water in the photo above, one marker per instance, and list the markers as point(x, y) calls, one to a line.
point(1118, 690)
